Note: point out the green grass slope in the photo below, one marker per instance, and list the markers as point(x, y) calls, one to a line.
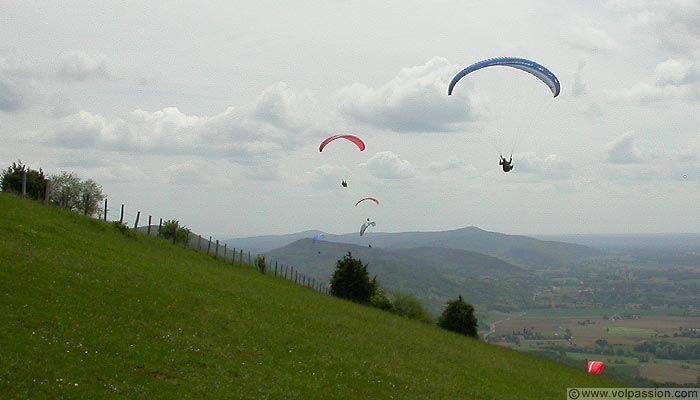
point(88, 312)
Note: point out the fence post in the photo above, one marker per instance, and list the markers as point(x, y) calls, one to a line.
point(249, 262)
point(241, 256)
point(233, 259)
point(275, 268)
point(149, 225)
point(47, 193)
point(24, 183)
point(225, 244)
point(121, 216)
point(138, 215)
point(105, 209)
point(216, 250)
point(160, 226)
point(209, 246)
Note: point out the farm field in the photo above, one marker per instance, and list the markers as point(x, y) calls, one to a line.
point(614, 340)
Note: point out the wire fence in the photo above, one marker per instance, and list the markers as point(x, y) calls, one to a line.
point(214, 247)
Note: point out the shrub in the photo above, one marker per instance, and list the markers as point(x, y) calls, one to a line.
point(459, 317)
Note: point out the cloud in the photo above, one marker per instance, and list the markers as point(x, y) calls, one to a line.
point(11, 96)
point(451, 164)
point(327, 176)
point(676, 72)
point(388, 165)
point(267, 128)
point(622, 150)
point(16, 88)
point(192, 172)
point(414, 101)
point(673, 79)
point(582, 36)
point(550, 167)
point(672, 24)
point(80, 66)
point(579, 86)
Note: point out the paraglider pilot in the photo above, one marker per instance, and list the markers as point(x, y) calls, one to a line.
point(344, 183)
point(507, 164)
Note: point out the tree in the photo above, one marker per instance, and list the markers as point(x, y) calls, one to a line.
point(91, 197)
point(70, 193)
point(459, 317)
point(12, 180)
point(65, 190)
point(408, 306)
point(351, 281)
point(172, 230)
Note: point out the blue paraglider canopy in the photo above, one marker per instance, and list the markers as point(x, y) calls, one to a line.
point(529, 66)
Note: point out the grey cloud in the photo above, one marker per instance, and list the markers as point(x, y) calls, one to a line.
point(11, 97)
point(622, 150)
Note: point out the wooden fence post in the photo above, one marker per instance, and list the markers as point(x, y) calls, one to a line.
point(225, 244)
point(138, 215)
point(105, 209)
point(47, 192)
point(160, 226)
point(241, 256)
point(275, 268)
point(249, 262)
point(216, 251)
point(233, 259)
point(24, 183)
point(209, 246)
point(149, 225)
point(121, 216)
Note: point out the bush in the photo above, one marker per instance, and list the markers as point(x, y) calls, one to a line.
point(459, 317)
point(11, 180)
point(260, 264)
point(408, 306)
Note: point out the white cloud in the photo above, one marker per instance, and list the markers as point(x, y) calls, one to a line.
point(675, 72)
point(451, 164)
point(414, 101)
point(80, 66)
point(579, 87)
point(673, 24)
point(623, 150)
point(276, 122)
point(388, 165)
point(582, 36)
point(673, 79)
point(550, 167)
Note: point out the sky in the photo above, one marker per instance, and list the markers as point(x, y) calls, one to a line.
point(211, 113)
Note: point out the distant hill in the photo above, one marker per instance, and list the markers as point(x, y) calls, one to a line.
point(434, 275)
point(517, 249)
point(670, 241)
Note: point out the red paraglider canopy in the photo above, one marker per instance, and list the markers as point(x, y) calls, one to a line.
point(596, 367)
point(367, 198)
point(354, 139)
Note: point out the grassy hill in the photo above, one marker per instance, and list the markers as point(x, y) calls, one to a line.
point(89, 312)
